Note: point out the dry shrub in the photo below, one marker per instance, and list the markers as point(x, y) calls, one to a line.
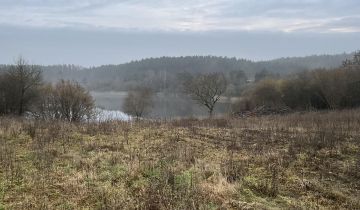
point(43, 152)
point(192, 122)
point(234, 170)
point(8, 161)
point(163, 187)
point(104, 128)
point(30, 128)
point(309, 159)
point(268, 181)
point(11, 127)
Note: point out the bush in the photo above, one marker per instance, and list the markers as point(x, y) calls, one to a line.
point(266, 92)
point(66, 100)
point(320, 89)
point(138, 102)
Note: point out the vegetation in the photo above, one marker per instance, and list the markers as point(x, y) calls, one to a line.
point(337, 88)
point(59, 160)
point(138, 102)
point(298, 161)
point(206, 89)
point(72, 102)
point(19, 85)
point(165, 77)
point(162, 73)
point(22, 91)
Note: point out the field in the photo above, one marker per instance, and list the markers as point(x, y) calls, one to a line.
point(298, 161)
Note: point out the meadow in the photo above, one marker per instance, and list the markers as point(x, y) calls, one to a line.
point(297, 161)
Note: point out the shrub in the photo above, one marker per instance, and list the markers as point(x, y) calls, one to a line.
point(66, 100)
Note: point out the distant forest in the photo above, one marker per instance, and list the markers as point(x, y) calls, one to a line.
point(162, 74)
point(300, 83)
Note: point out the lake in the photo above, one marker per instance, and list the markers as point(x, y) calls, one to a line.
point(166, 105)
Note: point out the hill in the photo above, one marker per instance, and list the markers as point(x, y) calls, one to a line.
point(161, 73)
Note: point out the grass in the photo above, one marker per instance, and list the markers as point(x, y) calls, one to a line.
point(297, 161)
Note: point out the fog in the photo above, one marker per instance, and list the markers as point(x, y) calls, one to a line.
point(98, 47)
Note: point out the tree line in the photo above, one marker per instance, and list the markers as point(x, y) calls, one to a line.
point(161, 73)
point(23, 92)
point(318, 89)
point(204, 89)
point(337, 88)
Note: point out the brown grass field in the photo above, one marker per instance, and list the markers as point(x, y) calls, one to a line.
point(298, 161)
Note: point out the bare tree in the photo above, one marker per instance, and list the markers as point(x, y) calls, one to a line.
point(45, 107)
point(206, 89)
point(138, 102)
point(3, 104)
point(21, 88)
point(72, 102)
point(354, 62)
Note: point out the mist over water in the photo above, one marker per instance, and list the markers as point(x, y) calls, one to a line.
point(166, 106)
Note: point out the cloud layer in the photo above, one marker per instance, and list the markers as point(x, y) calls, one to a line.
point(320, 16)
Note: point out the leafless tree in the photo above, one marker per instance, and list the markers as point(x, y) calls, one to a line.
point(206, 89)
point(45, 107)
point(138, 102)
point(354, 63)
point(20, 86)
point(72, 102)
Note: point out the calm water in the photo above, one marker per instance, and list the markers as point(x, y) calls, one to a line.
point(165, 105)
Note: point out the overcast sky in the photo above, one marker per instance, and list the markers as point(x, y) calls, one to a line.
point(95, 32)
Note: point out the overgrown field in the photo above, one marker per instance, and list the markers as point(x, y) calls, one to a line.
point(298, 161)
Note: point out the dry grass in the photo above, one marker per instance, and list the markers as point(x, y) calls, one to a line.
point(298, 161)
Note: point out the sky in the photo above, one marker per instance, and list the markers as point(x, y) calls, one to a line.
point(96, 32)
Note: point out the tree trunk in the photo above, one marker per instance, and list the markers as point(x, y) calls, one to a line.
point(21, 109)
point(211, 112)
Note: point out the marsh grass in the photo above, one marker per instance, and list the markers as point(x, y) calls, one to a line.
point(295, 161)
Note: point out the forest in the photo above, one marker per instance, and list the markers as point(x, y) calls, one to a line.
point(162, 73)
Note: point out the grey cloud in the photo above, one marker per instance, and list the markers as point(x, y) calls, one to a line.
point(197, 15)
point(96, 47)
